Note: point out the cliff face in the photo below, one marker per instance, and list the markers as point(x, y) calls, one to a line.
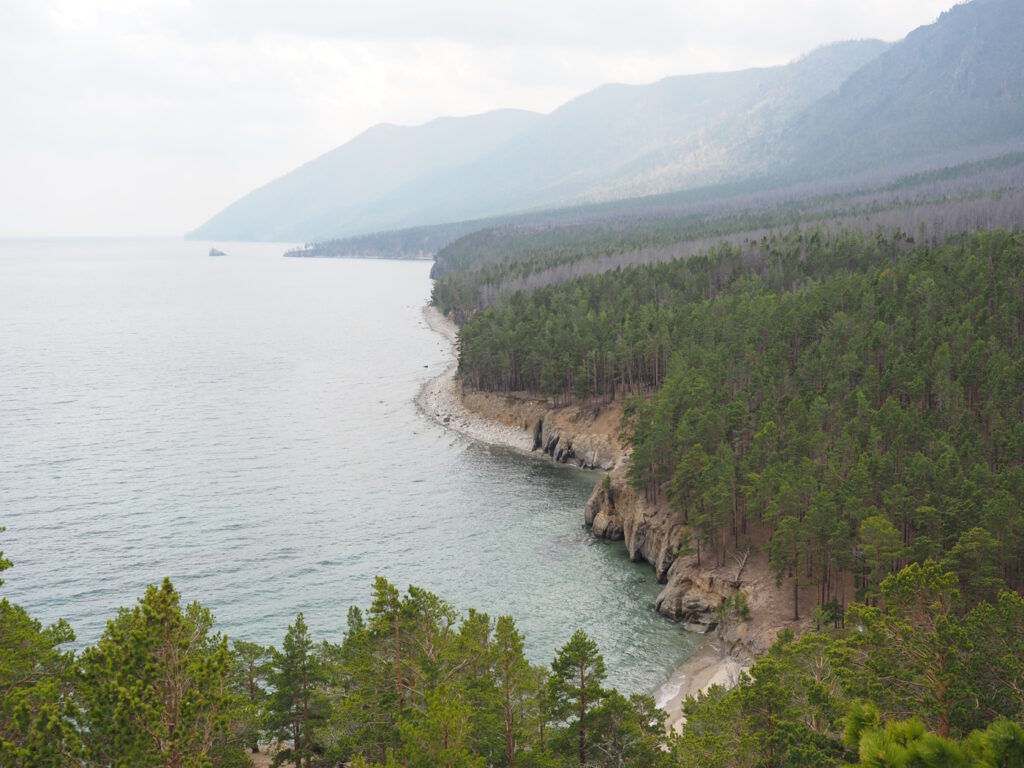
point(652, 533)
point(695, 595)
point(585, 436)
point(702, 598)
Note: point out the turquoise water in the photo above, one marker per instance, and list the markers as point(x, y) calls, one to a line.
point(246, 426)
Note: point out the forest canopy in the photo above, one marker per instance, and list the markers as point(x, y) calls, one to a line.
point(856, 400)
point(931, 680)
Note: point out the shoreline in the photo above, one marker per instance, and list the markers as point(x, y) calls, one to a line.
point(705, 668)
point(440, 401)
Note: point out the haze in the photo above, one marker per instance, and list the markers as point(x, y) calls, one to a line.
point(144, 118)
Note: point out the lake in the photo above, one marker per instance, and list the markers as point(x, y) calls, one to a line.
point(246, 425)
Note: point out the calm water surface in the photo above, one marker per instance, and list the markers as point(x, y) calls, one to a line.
point(246, 426)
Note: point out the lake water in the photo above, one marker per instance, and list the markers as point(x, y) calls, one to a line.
point(246, 426)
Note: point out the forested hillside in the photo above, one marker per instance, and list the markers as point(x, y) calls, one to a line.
point(856, 400)
point(486, 267)
point(853, 404)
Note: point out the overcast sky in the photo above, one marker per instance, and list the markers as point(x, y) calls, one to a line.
point(146, 117)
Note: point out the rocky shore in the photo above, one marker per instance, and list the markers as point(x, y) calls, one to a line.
point(587, 436)
point(440, 400)
point(581, 436)
point(704, 598)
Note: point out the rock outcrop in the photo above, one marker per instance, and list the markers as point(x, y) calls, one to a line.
point(696, 614)
point(587, 436)
point(615, 510)
point(582, 435)
point(567, 435)
point(691, 594)
point(600, 514)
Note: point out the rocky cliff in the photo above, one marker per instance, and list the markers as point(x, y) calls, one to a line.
point(583, 435)
point(702, 598)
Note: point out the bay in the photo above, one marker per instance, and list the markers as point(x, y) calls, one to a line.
point(246, 426)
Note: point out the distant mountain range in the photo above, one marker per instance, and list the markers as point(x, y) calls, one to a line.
point(948, 89)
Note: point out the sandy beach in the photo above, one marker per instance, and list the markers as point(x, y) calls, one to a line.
point(707, 667)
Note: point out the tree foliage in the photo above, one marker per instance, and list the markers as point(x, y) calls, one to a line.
point(154, 691)
point(930, 679)
point(855, 400)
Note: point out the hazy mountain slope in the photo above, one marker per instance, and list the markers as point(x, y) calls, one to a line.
point(950, 92)
point(313, 200)
point(620, 140)
point(953, 85)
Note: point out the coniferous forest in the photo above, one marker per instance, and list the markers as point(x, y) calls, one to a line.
point(413, 682)
point(852, 402)
point(857, 401)
point(932, 679)
point(787, 302)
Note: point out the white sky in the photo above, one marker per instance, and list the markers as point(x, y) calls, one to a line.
point(146, 117)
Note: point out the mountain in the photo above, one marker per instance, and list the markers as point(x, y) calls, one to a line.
point(952, 86)
point(317, 199)
point(949, 92)
point(616, 141)
point(622, 141)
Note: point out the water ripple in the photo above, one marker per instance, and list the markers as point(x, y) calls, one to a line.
point(247, 429)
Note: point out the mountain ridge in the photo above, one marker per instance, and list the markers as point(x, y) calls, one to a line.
point(380, 158)
point(958, 82)
point(949, 89)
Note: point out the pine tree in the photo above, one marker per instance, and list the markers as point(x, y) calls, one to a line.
point(917, 646)
point(514, 682)
point(630, 731)
point(297, 705)
point(439, 737)
point(155, 689)
point(575, 691)
point(249, 668)
point(36, 717)
point(362, 720)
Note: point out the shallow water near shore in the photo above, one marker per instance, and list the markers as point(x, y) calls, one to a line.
point(246, 425)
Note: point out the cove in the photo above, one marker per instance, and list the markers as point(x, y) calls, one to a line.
point(246, 425)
